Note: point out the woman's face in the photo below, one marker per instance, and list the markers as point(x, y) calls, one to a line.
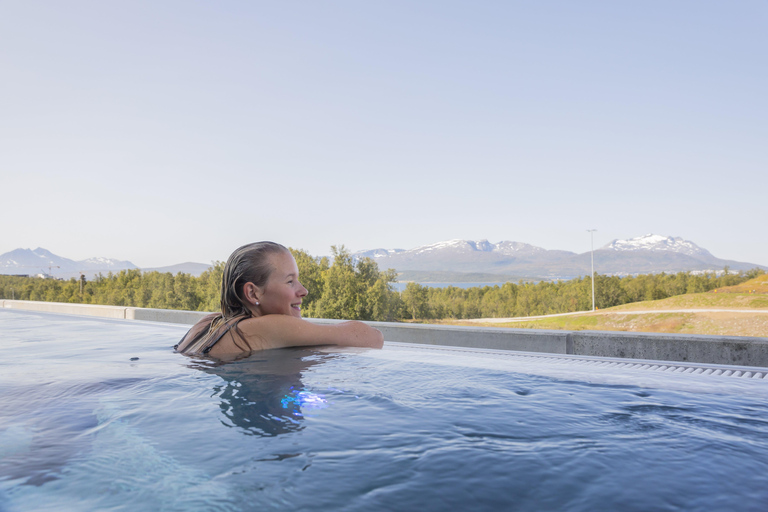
point(283, 292)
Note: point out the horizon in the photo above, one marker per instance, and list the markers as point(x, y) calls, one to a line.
point(162, 133)
point(372, 249)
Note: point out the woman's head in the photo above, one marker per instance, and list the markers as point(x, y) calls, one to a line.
point(261, 278)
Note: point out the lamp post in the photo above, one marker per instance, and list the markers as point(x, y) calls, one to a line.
point(592, 251)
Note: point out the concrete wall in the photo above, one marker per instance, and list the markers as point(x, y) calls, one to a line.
point(169, 316)
point(152, 315)
point(66, 308)
point(734, 350)
point(496, 338)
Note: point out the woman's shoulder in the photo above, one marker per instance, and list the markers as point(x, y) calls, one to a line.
point(203, 325)
point(196, 332)
point(208, 319)
point(238, 336)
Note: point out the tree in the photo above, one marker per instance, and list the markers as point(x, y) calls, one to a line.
point(342, 291)
point(209, 287)
point(415, 299)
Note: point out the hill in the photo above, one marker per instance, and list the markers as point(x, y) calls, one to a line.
point(37, 261)
point(740, 310)
point(43, 261)
point(752, 294)
point(758, 285)
point(641, 255)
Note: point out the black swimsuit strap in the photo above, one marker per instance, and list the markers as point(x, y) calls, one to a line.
point(214, 341)
point(204, 349)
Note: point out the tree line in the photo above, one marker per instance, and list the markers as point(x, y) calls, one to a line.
point(547, 297)
point(338, 288)
point(342, 288)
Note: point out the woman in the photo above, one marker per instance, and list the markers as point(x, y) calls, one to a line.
point(261, 309)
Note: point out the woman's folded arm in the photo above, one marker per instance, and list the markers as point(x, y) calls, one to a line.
point(280, 331)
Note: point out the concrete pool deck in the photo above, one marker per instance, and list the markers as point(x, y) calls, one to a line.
point(728, 350)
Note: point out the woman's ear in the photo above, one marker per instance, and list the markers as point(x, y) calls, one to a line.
point(252, 293)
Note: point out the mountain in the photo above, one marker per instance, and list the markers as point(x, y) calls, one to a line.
point(657, 243)
point(641, 255)
point(503, 258)
point(43, 261)
point(467, 256)
point(450, 261)
point(377, 253)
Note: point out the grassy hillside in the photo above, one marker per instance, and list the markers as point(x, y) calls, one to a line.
point(757, 285)
point(752, 294)
point(728, 323)
point(709, 300)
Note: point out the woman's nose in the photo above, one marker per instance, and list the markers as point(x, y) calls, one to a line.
point(303, 291)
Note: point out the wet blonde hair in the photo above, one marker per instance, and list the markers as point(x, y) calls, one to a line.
point(248, 264)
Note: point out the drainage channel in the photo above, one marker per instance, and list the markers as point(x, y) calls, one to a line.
point(720, 370)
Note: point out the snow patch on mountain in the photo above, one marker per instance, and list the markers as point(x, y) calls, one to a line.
point(104, 263)
point(455, 247)
point(28, 258)
point(26, 261)
point(511, 248)
point(376, 253)
point(658, 243)
point(504, 247)
point(462, 245)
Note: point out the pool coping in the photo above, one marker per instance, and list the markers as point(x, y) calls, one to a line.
point(687, 348)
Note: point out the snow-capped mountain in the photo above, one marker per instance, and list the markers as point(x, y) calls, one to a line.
point(469, 256)
point(26, 257)
point(658, 243)
point(103, 262)
point(43, 261)
point(469, 246)
point(377, 253)
point(456, 246)
point(645, 254)
point(453, 258)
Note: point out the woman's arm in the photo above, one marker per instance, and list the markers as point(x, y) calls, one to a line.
point(279, 331)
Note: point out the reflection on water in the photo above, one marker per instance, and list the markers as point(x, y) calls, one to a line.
point(43, 427)
point(263, 395)
point(85, 427)
point(35, 449)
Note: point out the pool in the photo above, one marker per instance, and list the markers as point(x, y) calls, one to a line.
point(99, 414)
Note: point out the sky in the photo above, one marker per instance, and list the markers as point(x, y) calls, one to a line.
point(174, 131)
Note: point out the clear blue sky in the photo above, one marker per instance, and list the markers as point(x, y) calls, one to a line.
point(162, 132)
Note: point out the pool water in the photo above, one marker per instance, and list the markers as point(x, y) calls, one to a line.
point(84, 425)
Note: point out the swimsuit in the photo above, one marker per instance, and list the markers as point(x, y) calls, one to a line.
point(201, 344)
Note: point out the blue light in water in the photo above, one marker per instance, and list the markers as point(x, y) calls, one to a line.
point(305, 399)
